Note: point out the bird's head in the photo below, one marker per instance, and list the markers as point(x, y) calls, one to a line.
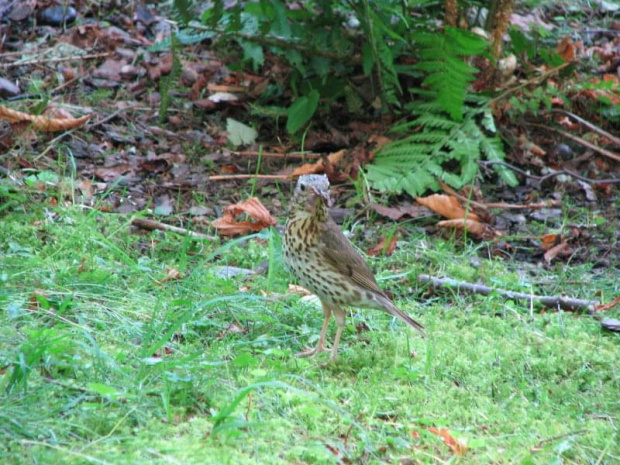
point(312, 191)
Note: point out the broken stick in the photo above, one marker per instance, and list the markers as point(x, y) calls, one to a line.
point(563, 302)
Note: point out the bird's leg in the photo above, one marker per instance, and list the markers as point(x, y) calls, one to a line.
point(340, 315)
point(327, 311)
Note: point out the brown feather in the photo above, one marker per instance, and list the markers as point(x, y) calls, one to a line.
point(340, 254)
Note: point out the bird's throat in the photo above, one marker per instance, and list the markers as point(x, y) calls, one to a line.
point(319, 211)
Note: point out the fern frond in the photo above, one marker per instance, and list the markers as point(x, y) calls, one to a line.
point(442, 57)
point(414, 163)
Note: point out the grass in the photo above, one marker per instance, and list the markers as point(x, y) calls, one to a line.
point(103, 360)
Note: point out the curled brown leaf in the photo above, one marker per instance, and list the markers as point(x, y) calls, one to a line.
point(42, 123)
point(447, 206)
point(228, 225)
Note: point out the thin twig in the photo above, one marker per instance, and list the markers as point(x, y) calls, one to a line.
point(579, 140)
point(293, 155)
point(64, 84)
point(550, 175)
point(587, 124)
point(55, 60)
point(152, 225)
point(565, 303)
point(555, 438)
point(234, 177)
point(107, 118)
point(534, 80)
point(506, 206)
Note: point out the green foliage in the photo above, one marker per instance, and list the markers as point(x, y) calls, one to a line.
point(301, 111)
point(166, 83)
point(415, 163)
point(453, 130)
point(319, 42)
point(441, 58)
point(326, 42)
point(183, 9)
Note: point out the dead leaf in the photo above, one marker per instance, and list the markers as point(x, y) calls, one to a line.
point(566, 49)
point(319, 166)
point(562, 248)
point(458, 446)
point(479, 230)
point(381, 248)
point(172, 275)
point(42, 123)
point(549, 240)
point(112, 172)
point(609, 306)
point(231, 329)
point(396, 213)
point(227, 225)
point(447, 206)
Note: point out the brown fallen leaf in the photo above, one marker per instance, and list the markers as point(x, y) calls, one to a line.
point(396, 213)
point(447, 206)
point(609, 306)
point(227, 225)
point(231, 329)
point(381, 248)
point(549, 240)
point(172, 275)
point(479, 230)
point(562, 248)
point(458, 446)
point(319, 166)
point(42, 123)
point(566, 49)
point(111, 173)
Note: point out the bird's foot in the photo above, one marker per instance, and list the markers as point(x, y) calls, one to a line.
point(312, 352)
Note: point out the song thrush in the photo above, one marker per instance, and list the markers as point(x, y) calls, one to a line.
point(325, 262)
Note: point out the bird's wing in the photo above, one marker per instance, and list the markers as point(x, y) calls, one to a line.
point(340, 254)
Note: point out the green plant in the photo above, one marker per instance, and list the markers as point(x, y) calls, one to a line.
point(442, 149)
point(377, 38)
point(167, 82)
point(321, 53)
point(452, 129)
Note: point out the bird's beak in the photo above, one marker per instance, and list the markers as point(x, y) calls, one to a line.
point(323, 195)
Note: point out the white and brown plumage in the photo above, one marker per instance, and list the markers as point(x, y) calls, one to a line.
point(325, 262)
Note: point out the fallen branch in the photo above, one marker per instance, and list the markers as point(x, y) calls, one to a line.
point(592, 127)
point(232, 177)
point(152, 225)
point(55, 60)
point(501, 205)
point(542, 179)
point(535, 80)
point(295, 155)
point(579, 140)
point(565, 303)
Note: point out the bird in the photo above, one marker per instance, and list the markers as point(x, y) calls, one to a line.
point(325, 262)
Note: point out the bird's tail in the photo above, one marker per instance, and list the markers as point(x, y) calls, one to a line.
point(395, 311)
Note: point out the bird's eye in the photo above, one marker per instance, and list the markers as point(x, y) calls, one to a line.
point(302, 187)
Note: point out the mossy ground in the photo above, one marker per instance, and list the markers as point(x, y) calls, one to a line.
point(103, 360)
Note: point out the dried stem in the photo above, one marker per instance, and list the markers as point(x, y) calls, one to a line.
point(565, 303)
point(152, 225)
